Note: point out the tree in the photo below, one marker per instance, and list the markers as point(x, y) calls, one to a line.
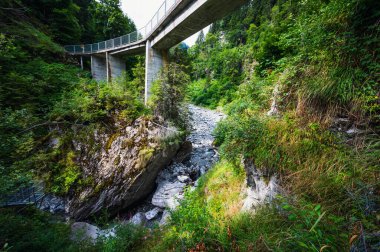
point(110, 20)
point(200, 39)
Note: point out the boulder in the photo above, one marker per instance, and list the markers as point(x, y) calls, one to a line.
point(150, 215)
point(167, 194)
point(165, 218)
point(184, 179)
point(138, 219)
point(121, 167)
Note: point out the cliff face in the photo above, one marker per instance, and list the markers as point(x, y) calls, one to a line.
point(122, 166)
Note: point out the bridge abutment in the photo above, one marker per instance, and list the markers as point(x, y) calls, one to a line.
point(155, 60)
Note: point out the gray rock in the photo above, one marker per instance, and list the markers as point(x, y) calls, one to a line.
point(262, 186)
point(150, 215)
point(53, 204)
point(168, 194)
point(184, 179)
point(354, 131)
point(123, 170)
point(165, 218)
point(184, 152)
point(138, 219)
point(111, 232)
point(83, 231)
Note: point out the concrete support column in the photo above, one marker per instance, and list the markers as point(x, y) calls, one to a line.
point(117, 66)
point(107, 67)
point(154, 61)
point(98, 68)
point(81, 62)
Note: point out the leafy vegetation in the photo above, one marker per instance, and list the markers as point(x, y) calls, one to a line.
point(168, 94)
point(313, 62)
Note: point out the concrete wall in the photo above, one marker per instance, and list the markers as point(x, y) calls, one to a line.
point(107, 67)
point(154, 61)
point(98, 68)
point(116, 66)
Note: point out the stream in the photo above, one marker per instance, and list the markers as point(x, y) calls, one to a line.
point(184, 171)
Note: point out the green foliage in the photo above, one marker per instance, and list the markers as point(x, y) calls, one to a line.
point(209, 219)
point(91, 101)
point(32, 230)
point(39, 91)
point(328, 46)
point(168, 94)
point(221, 72)
point(312, 58)
point(110, 21)
point(128, 237)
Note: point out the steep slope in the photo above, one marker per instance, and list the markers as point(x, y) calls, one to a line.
point(299, 82)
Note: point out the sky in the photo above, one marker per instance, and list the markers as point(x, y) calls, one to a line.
point(141, 11)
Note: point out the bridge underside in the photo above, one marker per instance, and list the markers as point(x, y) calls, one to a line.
point(196, 16)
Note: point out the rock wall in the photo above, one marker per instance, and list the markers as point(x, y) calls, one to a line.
point(121, 167)
point(262, 186)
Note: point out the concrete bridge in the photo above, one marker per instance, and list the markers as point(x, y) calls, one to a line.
point(175, 21)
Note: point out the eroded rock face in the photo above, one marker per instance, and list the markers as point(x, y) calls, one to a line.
point(53, 204)
point(121, 167)
point(262, 186)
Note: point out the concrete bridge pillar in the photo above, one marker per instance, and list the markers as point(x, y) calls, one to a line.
point(106, 67)
point(116, 67)
point(155, 60)
point(98, 67)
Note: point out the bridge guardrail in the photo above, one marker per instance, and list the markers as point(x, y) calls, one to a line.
point(27, 194)
point(166, 8)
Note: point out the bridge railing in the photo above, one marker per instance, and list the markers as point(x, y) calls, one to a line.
point(25, 195)
point(165, 9)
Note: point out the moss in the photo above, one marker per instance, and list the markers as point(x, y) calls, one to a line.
point(145, 155)
point(116, 162)
point(127, 143)
point(111, 140)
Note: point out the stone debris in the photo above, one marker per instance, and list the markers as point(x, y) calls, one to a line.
point(195, 158)
point(165, 218)
point(53, 204)
point(81, 231)
point(152, 214)
point(138, 219)
point(168, 194)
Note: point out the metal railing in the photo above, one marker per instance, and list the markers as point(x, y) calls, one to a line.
point(26, 195)
point(140, 35)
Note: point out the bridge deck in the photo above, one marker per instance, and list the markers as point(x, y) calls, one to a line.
point(174, 21)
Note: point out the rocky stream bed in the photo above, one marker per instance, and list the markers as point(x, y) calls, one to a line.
point(195, 158)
